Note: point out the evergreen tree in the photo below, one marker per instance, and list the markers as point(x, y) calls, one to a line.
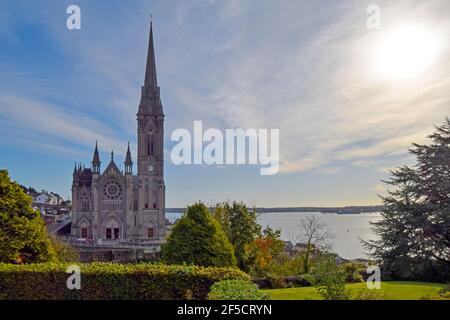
point(414, 232)
point(23, 237)
point(240, 226)
point(197, 238)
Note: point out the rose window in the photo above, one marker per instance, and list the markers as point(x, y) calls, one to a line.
point(112, 190)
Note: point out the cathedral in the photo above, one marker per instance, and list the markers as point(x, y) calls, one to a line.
point(116, 206)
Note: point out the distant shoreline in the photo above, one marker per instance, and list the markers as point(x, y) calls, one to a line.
point(338, 210)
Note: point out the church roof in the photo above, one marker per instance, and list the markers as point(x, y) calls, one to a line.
point(112, 168)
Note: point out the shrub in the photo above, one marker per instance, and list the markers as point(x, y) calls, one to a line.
point(445, 289)
point(330, 280)
point(236, 290)
point(305, 280)
point(112, 281)
point(197, 238)
point(63, 251)
point(278, 282)
point(443, 294)
point(353, 272)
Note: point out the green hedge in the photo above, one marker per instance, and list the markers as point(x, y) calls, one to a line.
point(112, 281)
point(236, 290)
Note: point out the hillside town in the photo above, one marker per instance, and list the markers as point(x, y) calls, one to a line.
point(53, 207)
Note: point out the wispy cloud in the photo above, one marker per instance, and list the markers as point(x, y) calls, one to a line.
point(318, 88)
point(43, 120)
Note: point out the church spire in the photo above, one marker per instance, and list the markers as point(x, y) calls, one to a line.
point(96, 160)
point(128, 162)
point(128, 155)
point(150, 71)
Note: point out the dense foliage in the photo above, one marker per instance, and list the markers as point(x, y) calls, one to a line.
point(263, 253)
point(112, 281)
point(240, 226)
point(23, 236)
point(197, 238)
point(64, 252)
point(414, 232)
point(330, 279)
point(236, 290)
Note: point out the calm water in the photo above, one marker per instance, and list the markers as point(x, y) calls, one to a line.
point(347, 228)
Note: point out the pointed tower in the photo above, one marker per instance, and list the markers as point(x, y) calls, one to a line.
point(150, 155)
point(150, 71)
point(128, 162)
point(96, 161)
point(150, 118)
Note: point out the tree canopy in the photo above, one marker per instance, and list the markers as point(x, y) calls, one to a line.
point(197, 238)
point(414, 232)
point(240, 226)
point(23, 237)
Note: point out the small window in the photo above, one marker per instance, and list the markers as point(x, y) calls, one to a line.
point(84, 233)
point(154, 205)
point(108, 233)
point(150, 233)
point(116, 233)
point(151, 145)
point(146, 206)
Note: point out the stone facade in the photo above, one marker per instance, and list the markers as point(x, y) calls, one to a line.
point(117, 206)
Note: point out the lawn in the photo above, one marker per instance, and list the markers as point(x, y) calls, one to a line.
point(391, 290)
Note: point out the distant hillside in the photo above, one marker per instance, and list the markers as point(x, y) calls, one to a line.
point(339, 210)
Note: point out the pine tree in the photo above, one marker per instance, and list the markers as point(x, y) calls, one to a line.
point(197, 238)
point(23, 237)
point(414, 232)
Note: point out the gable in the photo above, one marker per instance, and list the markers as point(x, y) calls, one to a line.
point(112, 170)
point(83, 222)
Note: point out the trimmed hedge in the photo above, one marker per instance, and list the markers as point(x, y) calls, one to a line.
point(112, 281)
point(236, 290)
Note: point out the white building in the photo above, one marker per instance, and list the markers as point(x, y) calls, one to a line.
point(47, 198)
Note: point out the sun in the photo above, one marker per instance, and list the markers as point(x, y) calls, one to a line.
point(405, 52)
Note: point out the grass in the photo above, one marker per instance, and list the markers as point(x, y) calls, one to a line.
point(392, 290)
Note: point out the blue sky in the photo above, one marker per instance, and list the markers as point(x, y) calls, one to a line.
point(307, 68)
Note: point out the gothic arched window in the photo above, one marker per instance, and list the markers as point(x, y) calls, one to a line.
point(150, 145)
point(84, 201)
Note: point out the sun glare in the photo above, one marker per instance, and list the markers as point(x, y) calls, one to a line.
point(405, 52)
